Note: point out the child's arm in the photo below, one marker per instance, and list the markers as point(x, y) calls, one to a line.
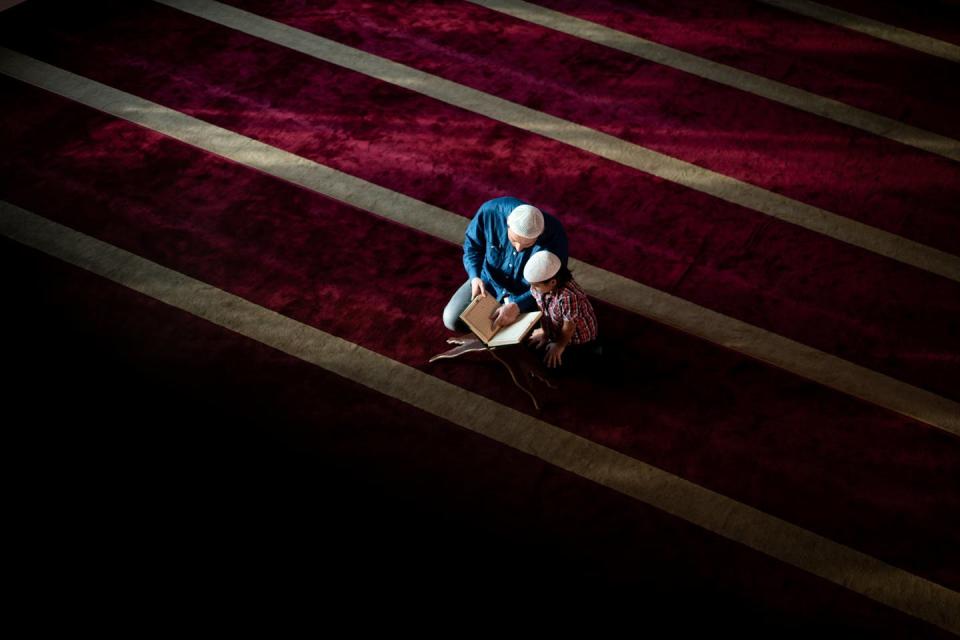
point(538, 338)
point(555, 349)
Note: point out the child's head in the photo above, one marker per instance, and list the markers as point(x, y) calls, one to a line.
point(544, 272)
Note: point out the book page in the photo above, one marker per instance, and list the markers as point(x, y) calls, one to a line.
point(477, 316)
point(514, 333)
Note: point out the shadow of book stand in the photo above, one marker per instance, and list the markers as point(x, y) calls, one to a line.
point(522, 365)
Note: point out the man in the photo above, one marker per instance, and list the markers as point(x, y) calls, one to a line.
point(502, 236)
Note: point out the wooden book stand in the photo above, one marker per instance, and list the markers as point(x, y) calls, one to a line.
point(516, 358)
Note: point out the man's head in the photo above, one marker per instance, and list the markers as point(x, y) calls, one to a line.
point(542, 271)
point(524, 226)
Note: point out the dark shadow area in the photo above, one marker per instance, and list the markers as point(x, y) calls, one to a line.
point(127, 476)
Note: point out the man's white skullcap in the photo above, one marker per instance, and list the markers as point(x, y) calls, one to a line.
point(541, 266)
point(526, 220)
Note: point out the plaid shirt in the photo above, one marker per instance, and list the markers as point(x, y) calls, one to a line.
point(568, 302)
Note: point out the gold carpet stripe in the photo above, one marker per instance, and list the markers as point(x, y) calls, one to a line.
point(870, 27)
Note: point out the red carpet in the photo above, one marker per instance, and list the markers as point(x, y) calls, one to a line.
point(237, 448)
point(853, 68)
point(257, 238)
point(736, 261)
point(826, 164)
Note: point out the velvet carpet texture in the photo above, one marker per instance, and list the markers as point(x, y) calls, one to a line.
point(854, 68)
point(722, 256)
point(271, 439)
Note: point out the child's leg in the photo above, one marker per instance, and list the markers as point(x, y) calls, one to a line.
point(580, 358)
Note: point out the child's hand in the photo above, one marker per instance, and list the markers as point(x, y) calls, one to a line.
point(554, 354)
point(538, 338)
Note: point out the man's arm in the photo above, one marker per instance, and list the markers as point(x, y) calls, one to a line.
point(555, 241)
point(525, 301)
point(474, 246)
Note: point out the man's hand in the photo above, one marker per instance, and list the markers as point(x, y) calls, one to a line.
point(477, 288)
point(554, 354)
point(538, 338)
point(506, 314)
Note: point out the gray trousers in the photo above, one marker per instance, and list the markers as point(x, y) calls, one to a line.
point(451, 313)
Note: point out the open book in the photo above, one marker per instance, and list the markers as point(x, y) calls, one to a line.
point(477, 316)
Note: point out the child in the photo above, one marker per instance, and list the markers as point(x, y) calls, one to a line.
point(569, 325)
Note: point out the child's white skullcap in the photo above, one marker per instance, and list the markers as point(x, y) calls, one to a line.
point(526, 220)
point(541, 266)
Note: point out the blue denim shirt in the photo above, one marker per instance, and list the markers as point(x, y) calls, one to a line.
point(488, 254)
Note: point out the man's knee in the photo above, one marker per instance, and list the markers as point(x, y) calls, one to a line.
point(458, 302)
point(450, 319)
